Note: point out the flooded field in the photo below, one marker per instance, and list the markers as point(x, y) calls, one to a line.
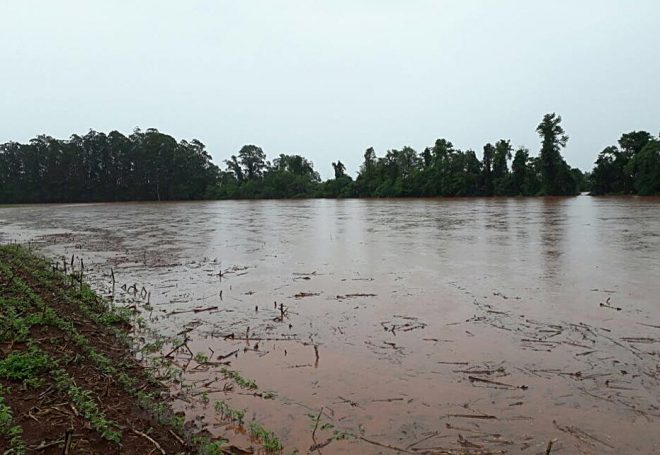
point(376, 326)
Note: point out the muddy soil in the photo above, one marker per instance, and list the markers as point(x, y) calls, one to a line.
point(51, 419)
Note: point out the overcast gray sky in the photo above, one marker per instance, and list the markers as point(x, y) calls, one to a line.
point(327, 79)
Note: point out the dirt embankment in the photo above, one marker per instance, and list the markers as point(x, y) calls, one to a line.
point(68, 381)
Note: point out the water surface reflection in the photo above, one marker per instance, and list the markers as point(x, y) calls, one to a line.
point(409, 301)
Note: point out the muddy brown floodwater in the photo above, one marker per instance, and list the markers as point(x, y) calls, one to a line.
point(481, 324)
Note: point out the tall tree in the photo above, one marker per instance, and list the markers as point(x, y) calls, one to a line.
point(501, 177)
point(645, 169)
point(146, 165)
point(613, 171)
point(487, 170)
point(235, 168)
point(556, 178)
point(519, 171)
point(633, 142)
point(339, 168)
point(253, 161)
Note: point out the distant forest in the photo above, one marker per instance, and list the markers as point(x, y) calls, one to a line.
point(150, 165)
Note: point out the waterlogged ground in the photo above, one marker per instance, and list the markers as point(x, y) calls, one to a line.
point(477, 324)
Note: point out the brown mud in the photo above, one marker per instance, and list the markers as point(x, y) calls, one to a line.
point(51, 422)
point(417, 326)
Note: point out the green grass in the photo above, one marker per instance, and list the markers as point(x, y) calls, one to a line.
point(12, 433)
point(22, 309)
point(209, 447)
point(84, 402)
point(26, 367)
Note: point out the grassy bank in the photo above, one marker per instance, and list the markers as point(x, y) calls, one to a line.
point(68, 381)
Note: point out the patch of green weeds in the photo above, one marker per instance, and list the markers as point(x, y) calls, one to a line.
point(268, 439)
point(84, 402)
point(235, 376)
point(24, 365)
point(153, 346)
point(208, 447)
point(229, 413)
point(13, 433)
point(200, 357)
point(15, 322)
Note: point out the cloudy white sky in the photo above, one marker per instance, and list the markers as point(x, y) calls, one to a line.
point(329, 78)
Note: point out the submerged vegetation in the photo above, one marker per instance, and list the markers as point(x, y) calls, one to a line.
point(64, 348)
point(150, 165)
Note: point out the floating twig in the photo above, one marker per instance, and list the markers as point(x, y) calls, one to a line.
point(318, 417)
point(496, 383)
point(474, 416)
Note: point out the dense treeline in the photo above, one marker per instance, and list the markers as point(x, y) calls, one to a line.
point(149, 165)
point(441, 170)
point(631, 168)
